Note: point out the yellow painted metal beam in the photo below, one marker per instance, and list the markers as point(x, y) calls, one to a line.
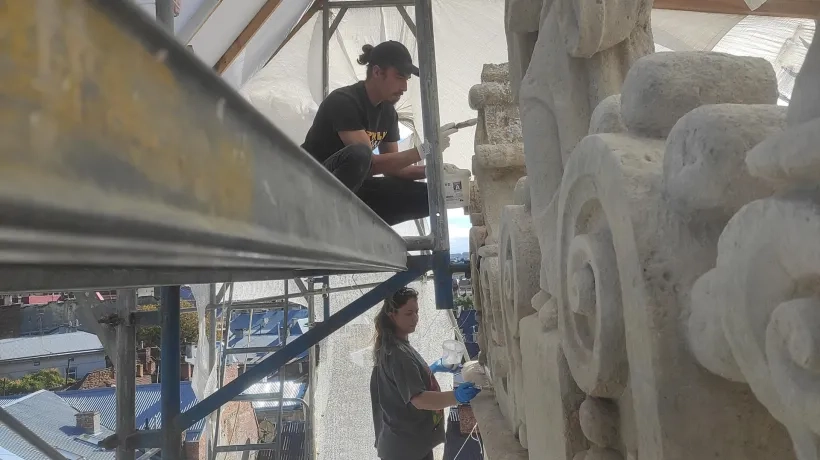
point(121, 149)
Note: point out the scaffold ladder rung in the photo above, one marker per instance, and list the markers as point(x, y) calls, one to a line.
point(258, 397)
point(251, 350)
point(246, 447)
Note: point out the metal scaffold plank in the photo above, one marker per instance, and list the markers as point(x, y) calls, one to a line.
point(122, 151)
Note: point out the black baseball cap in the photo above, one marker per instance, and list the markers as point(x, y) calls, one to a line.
point(394, 54)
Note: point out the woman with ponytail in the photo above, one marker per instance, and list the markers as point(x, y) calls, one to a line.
point(408, 404)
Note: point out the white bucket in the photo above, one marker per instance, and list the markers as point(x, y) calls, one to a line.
point(457, 188)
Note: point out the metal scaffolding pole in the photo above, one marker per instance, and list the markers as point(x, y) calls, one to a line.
point(258, 303)
point(368, 3)
point(165, 14)
point(126, 371)
point(326, 299)
point(294, 348)
point(434, 166)
point(227, 311)
point(310, 421)
point(283, 339)
point(325, 49)
point(210, 316)
point(431, 122)
point(169, 371)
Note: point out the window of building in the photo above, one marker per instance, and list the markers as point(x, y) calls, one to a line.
point(71, 373)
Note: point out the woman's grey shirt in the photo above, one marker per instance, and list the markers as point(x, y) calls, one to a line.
point(402, 431)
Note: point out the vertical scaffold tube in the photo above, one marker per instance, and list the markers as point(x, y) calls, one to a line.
point(165, 14)
point(169, 371)
point(325, 49)
point(311, 419)
point(435, 165)
point(126, 371)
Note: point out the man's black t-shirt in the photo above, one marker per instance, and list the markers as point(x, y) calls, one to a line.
point(349, 109)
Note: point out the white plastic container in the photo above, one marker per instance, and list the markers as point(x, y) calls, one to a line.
point(454, 352)
point(456, 188)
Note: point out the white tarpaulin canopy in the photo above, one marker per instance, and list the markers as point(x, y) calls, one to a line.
point(468, 34)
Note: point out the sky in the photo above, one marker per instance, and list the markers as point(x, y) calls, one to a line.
point(459, 225)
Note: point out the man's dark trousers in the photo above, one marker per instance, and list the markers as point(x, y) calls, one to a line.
point(394, 200)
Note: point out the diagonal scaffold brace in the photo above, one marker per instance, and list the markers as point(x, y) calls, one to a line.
point(152, 438)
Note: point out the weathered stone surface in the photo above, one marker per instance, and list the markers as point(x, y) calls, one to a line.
point(641, 171)
point(581, 57)
point(599, 422)
point(788, 158)
point(523, 15)
point(704, 165)
point(663, 87)
point(522, 193)
point(502, 445)
point(553, 399)
point(606, 118)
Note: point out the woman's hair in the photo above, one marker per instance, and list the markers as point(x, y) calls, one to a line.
point(364, 58)
point(385, 327)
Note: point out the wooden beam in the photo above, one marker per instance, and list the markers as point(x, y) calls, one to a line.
point(809, 9)
point(246, 35)
point(317, 6)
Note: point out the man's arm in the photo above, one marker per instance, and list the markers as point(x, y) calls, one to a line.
point(412, 172)
point(386, 163)
point(434, 400)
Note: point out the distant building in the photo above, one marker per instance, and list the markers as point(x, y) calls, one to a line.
point(53, 317)
point(75, 422)
point(73, 433)
point(73, 354)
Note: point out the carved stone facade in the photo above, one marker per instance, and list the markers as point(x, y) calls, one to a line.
point(649, 290)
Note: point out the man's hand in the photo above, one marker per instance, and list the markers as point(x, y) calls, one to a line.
point(444, 133)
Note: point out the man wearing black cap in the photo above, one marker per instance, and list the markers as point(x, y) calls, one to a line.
point(353, 121)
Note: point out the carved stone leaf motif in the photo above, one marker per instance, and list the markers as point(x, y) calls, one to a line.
point(764, 291)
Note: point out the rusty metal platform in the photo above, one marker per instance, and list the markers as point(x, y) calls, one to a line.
point(123, 155)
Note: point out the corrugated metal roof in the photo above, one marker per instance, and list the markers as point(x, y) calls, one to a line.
point(259, 341)
point(45, 345)
point(52, 419)
point(293, 389)
point(6, 455)
point(148, 412)
point(267, 321)
point(6, 400)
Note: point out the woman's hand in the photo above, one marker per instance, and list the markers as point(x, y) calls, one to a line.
point(466, 392)
point(439, 366)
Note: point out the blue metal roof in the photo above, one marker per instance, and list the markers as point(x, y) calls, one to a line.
point(52, 419)
point(267, 321)
point(148, 414)
point(259, 341)
point(47, 345)
point(265, 332)
point(293, 389)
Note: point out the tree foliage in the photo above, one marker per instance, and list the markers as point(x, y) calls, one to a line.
point(46, 379)
point(188, 325)
point(465, 302)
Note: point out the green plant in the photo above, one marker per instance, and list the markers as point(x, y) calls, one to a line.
point(188, 326)
point(465, 302)
point(45, 379)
